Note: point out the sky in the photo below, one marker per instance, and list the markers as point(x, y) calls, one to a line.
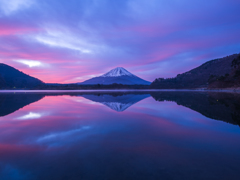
point(71, 41)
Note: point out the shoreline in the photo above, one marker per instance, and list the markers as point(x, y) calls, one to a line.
point(230, 90)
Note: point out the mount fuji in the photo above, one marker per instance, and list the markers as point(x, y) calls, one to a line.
point(118, 75)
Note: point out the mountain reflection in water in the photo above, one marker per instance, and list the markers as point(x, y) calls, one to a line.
point(215, 105)
point(117, 102)
point(218, 106)
point(143, 135)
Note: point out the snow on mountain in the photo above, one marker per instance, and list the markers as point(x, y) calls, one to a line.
point(117, 106)
point(119, 71)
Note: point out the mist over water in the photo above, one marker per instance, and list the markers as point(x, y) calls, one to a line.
point(141, 135)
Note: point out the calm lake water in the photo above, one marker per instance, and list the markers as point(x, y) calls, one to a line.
point(103, 136)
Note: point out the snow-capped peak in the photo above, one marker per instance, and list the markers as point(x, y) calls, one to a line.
point(119, 71)
point(117, 106)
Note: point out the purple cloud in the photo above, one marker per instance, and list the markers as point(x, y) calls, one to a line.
point(71, 41)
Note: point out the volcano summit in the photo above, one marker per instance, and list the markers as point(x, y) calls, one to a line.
point(118, 75)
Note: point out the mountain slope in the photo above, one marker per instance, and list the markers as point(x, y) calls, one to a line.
point(13, 78)
point(118, 75)
point(198, 77)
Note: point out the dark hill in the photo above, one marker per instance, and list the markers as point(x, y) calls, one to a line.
point(231, 80)
point(13, 78)
point(198, 77)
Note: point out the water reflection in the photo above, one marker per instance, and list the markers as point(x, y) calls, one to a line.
point(218, 106)
point(117, 102)
point(11, 102)
point(215, 105)
point(76, 136)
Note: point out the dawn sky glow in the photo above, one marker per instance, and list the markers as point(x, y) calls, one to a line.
point(71, 41)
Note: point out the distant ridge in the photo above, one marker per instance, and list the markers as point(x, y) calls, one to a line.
point(118, 75)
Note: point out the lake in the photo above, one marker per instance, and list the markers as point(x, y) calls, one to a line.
point(119, 135)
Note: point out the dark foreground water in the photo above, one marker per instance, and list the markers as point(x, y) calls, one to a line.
point(84, 136)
